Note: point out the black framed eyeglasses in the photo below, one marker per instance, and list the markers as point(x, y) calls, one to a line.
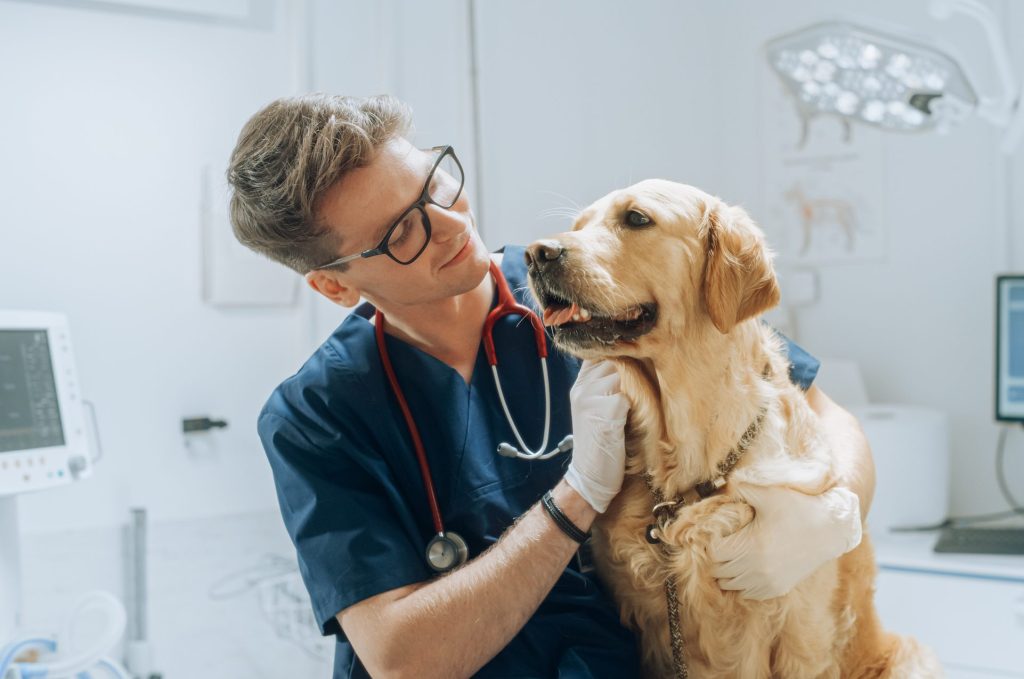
point(408, 237)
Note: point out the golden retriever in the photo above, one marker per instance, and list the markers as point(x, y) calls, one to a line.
point(668, 282)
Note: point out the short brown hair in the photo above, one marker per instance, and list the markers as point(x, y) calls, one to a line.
point(288, 155)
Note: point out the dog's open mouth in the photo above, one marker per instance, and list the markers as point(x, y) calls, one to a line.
point(577, 323)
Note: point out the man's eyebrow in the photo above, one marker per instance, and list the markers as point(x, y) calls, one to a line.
point(378, 234)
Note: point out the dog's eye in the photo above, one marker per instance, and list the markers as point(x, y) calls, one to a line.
point(634, 218)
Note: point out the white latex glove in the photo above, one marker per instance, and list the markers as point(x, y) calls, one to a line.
point(599, 434)
point(791, 535)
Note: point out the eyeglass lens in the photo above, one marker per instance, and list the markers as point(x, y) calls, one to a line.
point(409, 239)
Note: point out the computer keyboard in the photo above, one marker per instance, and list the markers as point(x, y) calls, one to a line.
point(981, 541)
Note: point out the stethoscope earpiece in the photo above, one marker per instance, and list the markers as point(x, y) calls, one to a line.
point(506, 450)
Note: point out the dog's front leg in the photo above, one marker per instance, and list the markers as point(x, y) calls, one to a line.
point(724, 635)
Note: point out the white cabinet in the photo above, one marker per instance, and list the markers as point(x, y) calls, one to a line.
point(968, 608)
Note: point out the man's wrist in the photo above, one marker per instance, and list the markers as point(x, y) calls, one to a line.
point(573, 505)
point(577, 534)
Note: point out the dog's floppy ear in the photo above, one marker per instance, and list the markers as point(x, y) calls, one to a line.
point(739, 280)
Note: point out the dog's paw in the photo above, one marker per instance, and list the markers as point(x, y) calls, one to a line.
point(716, 516)
point(729, 516)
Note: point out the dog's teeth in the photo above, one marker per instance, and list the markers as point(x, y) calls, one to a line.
point(585, 314)
point(575, 317)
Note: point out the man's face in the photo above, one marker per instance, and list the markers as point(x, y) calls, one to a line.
point(360, 208)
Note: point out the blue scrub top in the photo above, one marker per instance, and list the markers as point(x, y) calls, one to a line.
point(352, 496)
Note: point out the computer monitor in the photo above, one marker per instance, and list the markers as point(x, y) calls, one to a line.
point(1010, 348)
point(43, 441)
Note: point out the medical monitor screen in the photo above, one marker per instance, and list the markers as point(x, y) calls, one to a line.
point(1010, 348)
point(29, 411)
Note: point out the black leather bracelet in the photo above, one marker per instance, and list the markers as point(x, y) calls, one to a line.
point(562, 521)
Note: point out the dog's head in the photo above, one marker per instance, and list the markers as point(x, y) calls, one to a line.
point(646, 262)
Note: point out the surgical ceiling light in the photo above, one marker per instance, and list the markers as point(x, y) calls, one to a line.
point(890, 82)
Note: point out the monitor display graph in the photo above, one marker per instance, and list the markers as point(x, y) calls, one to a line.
point(1010, 348)
point(29, 408)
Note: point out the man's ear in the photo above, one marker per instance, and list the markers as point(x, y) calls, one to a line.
point(739, 280)
point(328, 284)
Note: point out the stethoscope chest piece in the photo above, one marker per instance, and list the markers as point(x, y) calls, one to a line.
point(446, 550)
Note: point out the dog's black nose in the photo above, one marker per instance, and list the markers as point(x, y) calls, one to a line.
point(543, 252)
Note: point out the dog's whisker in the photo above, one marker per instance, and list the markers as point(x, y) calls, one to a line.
point(559, 211)
point(572, 203)
point(549, 214)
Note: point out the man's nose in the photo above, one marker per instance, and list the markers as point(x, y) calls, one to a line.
point(445, 223)
point(543, 254)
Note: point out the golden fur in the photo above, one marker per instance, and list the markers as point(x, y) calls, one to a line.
point(695, 385)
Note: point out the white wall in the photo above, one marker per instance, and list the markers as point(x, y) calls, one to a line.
point(108, 118)
point(222, 602)
point(579, 98)
point(1015, 254)
point(921, 321)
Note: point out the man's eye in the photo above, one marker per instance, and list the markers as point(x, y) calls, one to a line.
point(634, 218)
point(400, 233)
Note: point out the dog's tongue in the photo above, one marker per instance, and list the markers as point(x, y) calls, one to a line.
point(553, 317)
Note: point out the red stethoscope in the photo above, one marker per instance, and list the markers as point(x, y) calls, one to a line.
point(447, 549)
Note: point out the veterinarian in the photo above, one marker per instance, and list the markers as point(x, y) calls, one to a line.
point(319, 178)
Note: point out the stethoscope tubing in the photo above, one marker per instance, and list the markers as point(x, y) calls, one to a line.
point(414, 432)
point(526, 452)
point(506, 306)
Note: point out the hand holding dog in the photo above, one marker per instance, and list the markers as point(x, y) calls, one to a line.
point(792, 535)
point(599, 438)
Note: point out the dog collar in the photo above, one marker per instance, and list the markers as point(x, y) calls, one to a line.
point(664, 509)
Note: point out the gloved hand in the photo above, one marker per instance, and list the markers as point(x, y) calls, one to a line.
point(790, 536)
point(599, 434)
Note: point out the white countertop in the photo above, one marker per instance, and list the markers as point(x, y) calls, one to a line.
point(913, 552)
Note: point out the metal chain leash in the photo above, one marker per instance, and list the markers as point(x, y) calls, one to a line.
point(675, 631)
